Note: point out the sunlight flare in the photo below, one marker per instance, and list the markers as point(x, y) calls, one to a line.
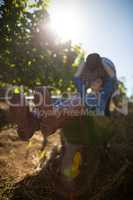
point(66, 24)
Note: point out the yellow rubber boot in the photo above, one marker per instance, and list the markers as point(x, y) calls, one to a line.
point(76, 164)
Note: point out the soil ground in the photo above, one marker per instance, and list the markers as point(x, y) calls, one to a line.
point(113, 178)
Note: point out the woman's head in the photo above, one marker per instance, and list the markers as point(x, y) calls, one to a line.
point(97, 85)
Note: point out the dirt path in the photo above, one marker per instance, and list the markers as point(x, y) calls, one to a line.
point(17, 158)
point(114, 177)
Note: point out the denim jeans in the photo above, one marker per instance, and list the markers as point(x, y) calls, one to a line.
point(106, 92)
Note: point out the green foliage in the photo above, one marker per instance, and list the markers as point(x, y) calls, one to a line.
point(6, 188)
point(29, 52)
point(122, 88)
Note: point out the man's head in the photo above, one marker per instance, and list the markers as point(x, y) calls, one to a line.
point(93, 61)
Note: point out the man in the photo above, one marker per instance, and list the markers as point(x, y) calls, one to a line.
point(98, 74)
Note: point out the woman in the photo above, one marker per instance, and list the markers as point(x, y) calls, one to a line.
point(99, 74)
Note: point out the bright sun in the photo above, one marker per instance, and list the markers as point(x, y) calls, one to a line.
point(66, 24)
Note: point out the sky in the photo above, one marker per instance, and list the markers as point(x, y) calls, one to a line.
point(105, 27)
